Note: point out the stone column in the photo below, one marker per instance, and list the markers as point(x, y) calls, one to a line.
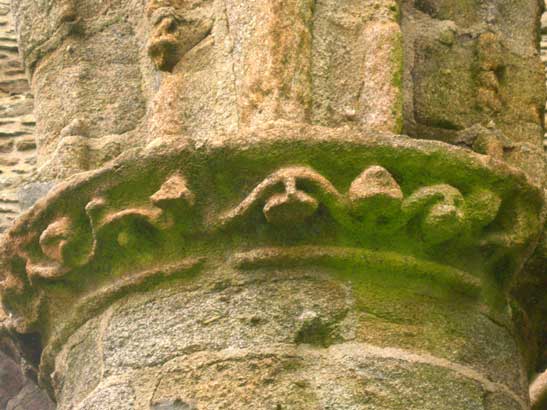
point(83, 61)
point(276, 244)
point(327, 285)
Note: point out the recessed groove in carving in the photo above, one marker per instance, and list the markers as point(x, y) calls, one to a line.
point(333, 256)
point(54, 239)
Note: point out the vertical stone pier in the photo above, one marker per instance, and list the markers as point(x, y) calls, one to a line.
point(252, 232)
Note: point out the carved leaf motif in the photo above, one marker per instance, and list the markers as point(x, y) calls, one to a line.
point(110, 225)
point(376, 198)
point(440, 209)
point(374, 204)
point(292, 204)
point(173, 193)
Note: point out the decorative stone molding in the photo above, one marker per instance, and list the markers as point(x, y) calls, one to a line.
point(176, 30)
point(374, 203)
point(292, 205)
point(392, 202)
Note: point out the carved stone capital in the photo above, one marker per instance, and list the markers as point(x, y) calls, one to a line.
point(286, 196)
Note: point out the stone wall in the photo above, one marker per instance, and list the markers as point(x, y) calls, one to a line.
point(17, 143)
point(17, 158)
point(17, 123)
point(17, 146)
point(544, 55)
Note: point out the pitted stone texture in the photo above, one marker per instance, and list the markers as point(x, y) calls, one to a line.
point(340, 63)
point(344, 376)
point(453, 330)
point(82, 353)
point(109, 397)
point(227, 66)
point(83, 60)
point(440, 305)
point(496, 401)
point(303, 320)
point(238, 315)
point(473, 62)
point(357, 63)
point(249, 64)
point(88, 91)
point(336, 65)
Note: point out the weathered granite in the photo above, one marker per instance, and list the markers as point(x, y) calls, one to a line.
point(17, 145)
point(403, 231)
point(266, 239)
point(472, 62)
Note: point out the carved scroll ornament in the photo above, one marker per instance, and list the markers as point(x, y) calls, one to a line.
point(293, 195)
point(101, 225)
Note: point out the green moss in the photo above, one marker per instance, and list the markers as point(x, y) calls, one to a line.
point(395, 297)
point(226, 176)
point(315, 332)
point(396, 9)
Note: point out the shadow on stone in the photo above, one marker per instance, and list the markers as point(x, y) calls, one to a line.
point(177, 404)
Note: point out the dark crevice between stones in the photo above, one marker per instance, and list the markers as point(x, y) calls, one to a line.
point(32, 346)
point(176, 404)
point(18, 380)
